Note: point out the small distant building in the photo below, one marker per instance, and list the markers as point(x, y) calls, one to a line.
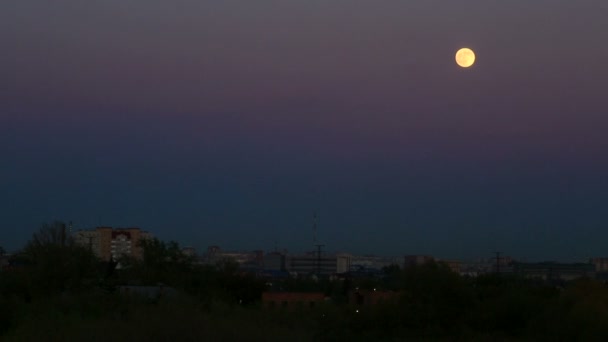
point(416, 260)
point(248, 261)
point(4, 262)
point(601, 264)
point(453, 265)
point(601, 268)
point(419, 260)
point(343, 263)
point(112, 243)
point(504, 265)
point(189, 251)
point(554, 270)
point(292, 300)
point(274, 262)
point(373, 262)
point(213, 250)
point(312, 264)
point(358, 271)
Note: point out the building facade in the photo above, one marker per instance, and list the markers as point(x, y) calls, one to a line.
point(275, 262)
point(453, 265)
point(311, 264)
point(601, 264)
point(372, 262)
point(416, 260)
point(554, 270)
point(250, 261)
point(113, 243)
point(343, 263)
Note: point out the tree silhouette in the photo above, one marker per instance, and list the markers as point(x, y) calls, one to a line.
point(53, 234)
point(55, 263)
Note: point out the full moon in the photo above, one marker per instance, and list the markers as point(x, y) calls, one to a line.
point(465, 57)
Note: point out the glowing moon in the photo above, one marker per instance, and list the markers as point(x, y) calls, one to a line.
point(465, 57)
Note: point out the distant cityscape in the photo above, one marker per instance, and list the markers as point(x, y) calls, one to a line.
point(109, 244)
point(131, 268)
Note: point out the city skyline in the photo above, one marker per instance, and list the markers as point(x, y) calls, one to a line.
point(91, 236)
point(236, 121)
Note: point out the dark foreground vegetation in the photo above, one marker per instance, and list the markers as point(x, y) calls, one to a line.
point(58, 291)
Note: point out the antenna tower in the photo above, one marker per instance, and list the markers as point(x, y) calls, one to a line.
point(319, 247)
point(314, 228)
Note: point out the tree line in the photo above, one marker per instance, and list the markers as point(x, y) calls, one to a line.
point(59, 290)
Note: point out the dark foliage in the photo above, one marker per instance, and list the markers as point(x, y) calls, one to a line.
point(60, 291)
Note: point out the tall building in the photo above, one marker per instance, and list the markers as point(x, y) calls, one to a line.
point(113, 243)
point(343, 263)
point(274, 261)
point(601, 264)
point(313, 264)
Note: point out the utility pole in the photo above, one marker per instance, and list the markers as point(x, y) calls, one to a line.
point(314, 228)
point(497, 262)
point(319, 247)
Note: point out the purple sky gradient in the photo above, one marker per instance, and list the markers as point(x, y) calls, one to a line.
point(230, 122)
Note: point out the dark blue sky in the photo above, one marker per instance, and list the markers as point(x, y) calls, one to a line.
point(230, 122)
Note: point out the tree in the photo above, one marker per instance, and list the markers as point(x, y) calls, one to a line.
point(435, 300)
point(53, 234)
point(55, 263)
point(161, 262)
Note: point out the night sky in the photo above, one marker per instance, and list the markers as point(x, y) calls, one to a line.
point(230, 122)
